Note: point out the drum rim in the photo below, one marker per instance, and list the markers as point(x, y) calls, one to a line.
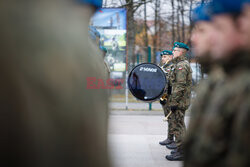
point(147, 100)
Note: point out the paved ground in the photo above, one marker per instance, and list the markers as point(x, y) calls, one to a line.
point(135, 106)
point(134, 140)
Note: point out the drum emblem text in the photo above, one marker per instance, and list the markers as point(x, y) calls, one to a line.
point(146, 69)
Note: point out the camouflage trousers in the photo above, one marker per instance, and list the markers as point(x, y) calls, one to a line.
point(179, 127)
point(171, 122)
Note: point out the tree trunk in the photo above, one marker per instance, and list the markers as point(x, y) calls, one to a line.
point(173, 21)
point(183, 21)
point(130, 34)
point(190, 20)
point(160, 35)
point(145, 58)
point(178, 21)
point(156, 31)
point(160, 27)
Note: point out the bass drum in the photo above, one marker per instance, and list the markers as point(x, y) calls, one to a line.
point(147, 82)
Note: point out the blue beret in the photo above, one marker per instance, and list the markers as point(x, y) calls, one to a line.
point(180, 45)
point(166, 52)
point(226, 6)
point(95, 3)
point(104, 49)
point(202, 13)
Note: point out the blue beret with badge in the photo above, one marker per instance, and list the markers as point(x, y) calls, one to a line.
point(202, 13)
point(95, 3)
point(226, 6)
point(103, 49)
point(166, 52)
point(180, 45)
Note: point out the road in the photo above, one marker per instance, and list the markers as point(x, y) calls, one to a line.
point(134, 140)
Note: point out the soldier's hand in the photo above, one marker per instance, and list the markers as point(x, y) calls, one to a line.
point(174, 108)
point(163, 102)
point(165, 119)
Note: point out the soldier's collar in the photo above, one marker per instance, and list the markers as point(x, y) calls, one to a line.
point(180, 58)
point(238, 60)
point(170, 62)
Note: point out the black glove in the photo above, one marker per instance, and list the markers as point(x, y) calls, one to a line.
point(174, 108)
point(169, 89)
point(163, 102)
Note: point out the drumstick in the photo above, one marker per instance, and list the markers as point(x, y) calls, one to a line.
point(166, 118)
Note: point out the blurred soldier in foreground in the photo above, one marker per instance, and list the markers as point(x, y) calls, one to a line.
point(50, 118)
point(166, 57)
point(245, 25)
point(201, 36)
point(180, 98)
point(201, 39)
point(222, 136)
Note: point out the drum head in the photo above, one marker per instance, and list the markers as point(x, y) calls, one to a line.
point(147, 82)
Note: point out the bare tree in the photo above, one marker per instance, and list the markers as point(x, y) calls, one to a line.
point(190, 19)
point(173, 21)
point(159, 33)
point(145, 32)
point(178, 21)
point(182, 19)
point(156, 28)
point(131, 6)
point(130, 31)
point(176, 18)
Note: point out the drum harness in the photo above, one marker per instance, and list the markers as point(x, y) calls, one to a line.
point(164, 97)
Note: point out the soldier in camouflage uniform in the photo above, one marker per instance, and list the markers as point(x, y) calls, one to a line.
point(201, 37)
point(202, 41)
point(165, 100)
point(180, 97)
point(219, 135)
point(49, 117)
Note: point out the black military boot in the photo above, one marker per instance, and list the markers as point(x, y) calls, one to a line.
point(166, 142)
point(171, 146)
point(174, 151)
point(178, 156)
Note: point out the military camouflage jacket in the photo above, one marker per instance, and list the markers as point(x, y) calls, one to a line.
point(181, 79)
point(203, 91)
point(50, 115)
point(168, 68)
point(219, 134)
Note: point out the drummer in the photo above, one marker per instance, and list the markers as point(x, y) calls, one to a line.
point(180, 97)
point(166, 60)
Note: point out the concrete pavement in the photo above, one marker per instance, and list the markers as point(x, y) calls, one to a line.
point(134, 141)
point(135, 106)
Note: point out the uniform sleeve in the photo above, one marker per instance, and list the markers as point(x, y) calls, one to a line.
point(180, 84)
point(167, 69)
point(240, 146)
